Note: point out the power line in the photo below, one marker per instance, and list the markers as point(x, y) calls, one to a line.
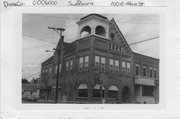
point(33, 74)
point(144, 40)
point(35, 47)
point(38, 38)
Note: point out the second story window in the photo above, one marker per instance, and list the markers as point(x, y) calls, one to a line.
point(67, 65)
point(55, 69)
point(144, 71)
point(117, 66)
point(86, 65)
point(103, 64)
point(137, 69)
point(71, 64)
point(128, 67)
point(81, 64)
point(150, 72)
point(111, 65)
point(59, 68)
point(155, 73)
point(50, 69)
point(123, 67)
point(97, 61)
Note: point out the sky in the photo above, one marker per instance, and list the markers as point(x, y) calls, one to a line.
point(36, 37)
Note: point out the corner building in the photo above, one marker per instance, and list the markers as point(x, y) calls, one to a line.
point(99, 67)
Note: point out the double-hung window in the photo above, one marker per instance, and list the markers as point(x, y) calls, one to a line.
point(81, 64)
point(103, 64)
point(97, 61)
point(128, 67)
point(117, 66)
point(123, 67)
point(144, 71)
point(111, 65)
point(86, 65)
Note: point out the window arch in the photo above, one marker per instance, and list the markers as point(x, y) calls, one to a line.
point(100, 31)
point(85, 31)
point(113, 92)
point(98, 91)
point(82, 90)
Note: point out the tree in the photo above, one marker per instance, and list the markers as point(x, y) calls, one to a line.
point(35, 81)
point(25, 81)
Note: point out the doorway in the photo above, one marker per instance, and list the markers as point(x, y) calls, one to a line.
point(126, 95)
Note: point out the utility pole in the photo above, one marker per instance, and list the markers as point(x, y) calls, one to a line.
point(59, 51)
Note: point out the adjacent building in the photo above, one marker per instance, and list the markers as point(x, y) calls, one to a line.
point(99, 67)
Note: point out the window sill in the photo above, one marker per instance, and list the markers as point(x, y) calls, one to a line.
point(98, 98)
point(112, 98)
point(145, 96)
point(82, 98)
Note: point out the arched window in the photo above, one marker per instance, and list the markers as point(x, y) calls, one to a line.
point(85, 31)
point(100, 31)
point(82, 90)
point(113, 92)
point(98, 91)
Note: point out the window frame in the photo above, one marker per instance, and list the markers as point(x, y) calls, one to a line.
point(137, 68)
point(111, 66)
point(103, 64)
point(81, 63)
point(78, 91)
point(144, 73)
point(86, 63)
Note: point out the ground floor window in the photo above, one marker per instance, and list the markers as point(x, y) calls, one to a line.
point(137, 90)
point(113, 92)
point(82, 90)
point(147, 90)
point(98, 91)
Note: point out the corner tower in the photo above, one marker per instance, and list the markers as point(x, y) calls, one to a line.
point(93, 24)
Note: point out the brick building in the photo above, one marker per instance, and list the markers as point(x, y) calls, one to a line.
point(99, 67)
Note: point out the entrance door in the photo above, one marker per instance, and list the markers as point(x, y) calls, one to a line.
point(126, 95)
